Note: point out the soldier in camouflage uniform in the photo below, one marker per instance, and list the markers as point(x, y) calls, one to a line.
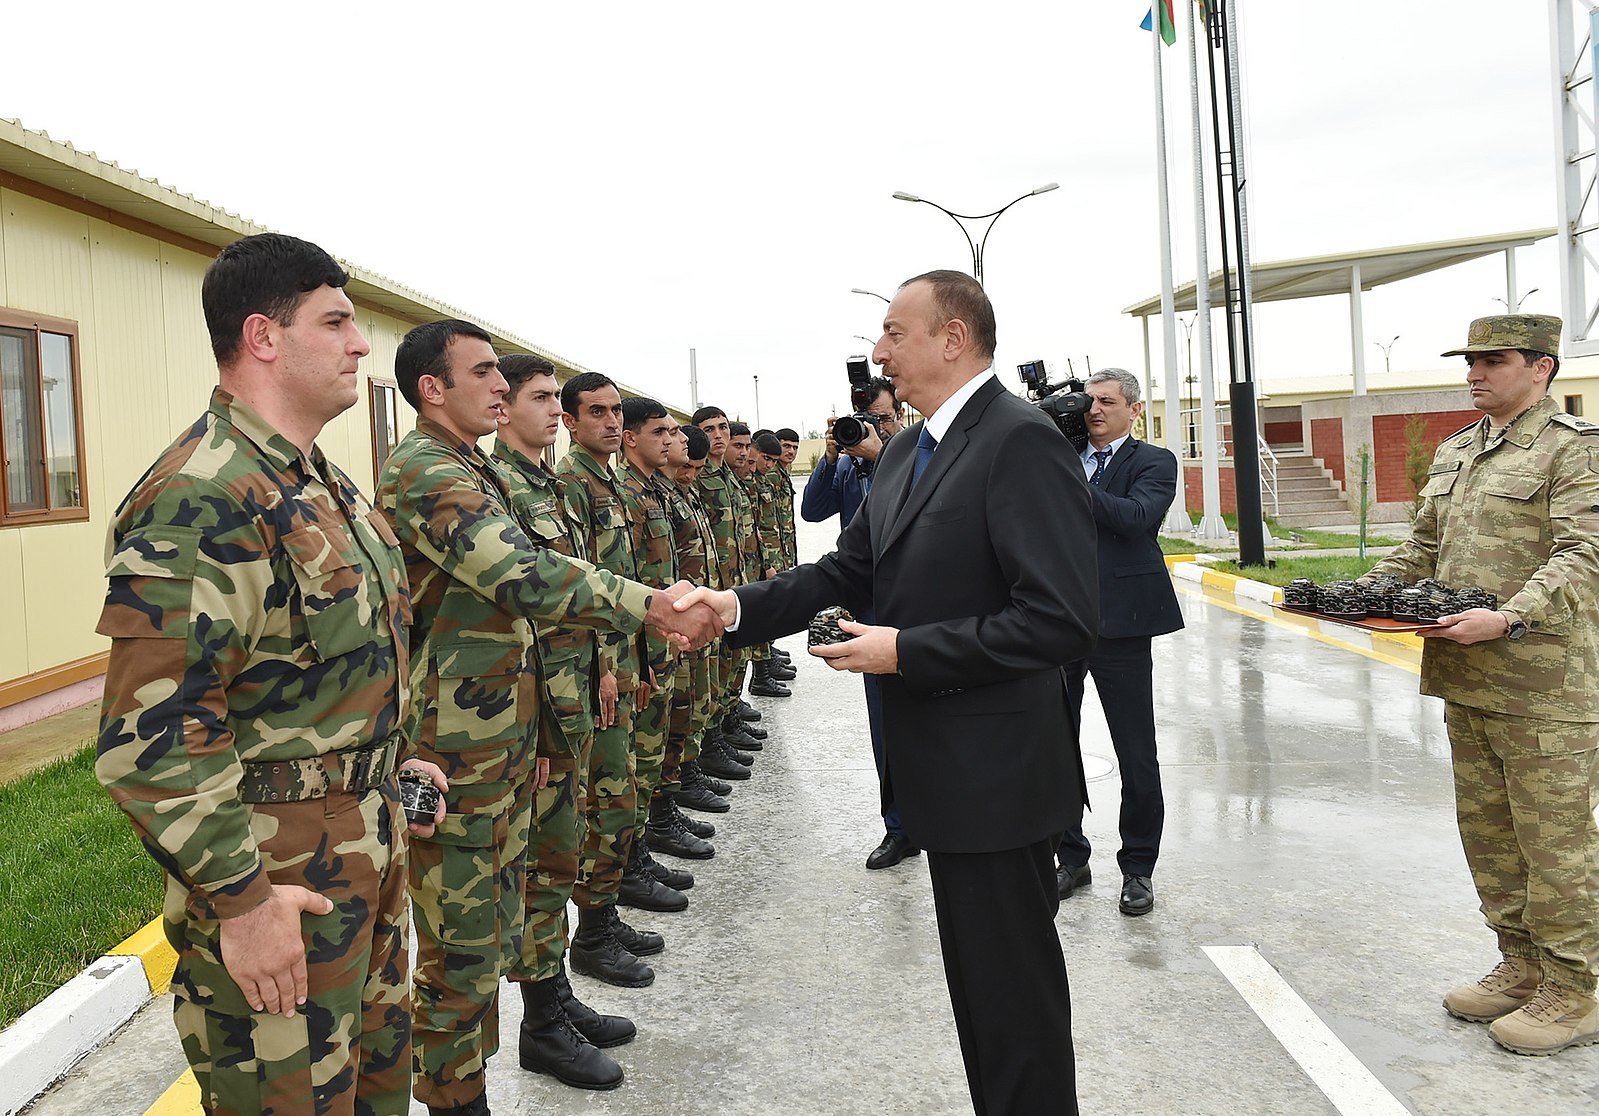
point(254, 698)
point(477, 582)
point(717, 488)
point(757, 549)
point(770, 670)
point(1511, 505)
point(648, 436)
point(532, 406)
point(606, 947)
point(681, 776)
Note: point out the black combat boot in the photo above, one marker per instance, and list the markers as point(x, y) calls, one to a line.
point(715, 786)
point(598, 952)
point(696, 794)
point(716, 758)
point(734, 736)
point(640, 943)
point(680, 879)
point(667, 834)
point(600, 1030)
point(762, 684)
point(477, 1106)
point(781, 670)
point(779, 653)
point(642, 890)
point(702, 829)
point(753, 731)
point(551, 1044)
point(747, 712)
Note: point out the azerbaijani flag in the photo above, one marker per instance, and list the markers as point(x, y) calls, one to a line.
point(1168, 24)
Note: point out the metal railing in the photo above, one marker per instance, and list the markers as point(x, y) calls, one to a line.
point(1268, 472)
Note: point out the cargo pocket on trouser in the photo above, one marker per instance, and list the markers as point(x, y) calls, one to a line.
point(247, 1065)
point(455, 905)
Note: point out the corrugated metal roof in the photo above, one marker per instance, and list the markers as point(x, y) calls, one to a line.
point(34, 156)
point(1314, 276)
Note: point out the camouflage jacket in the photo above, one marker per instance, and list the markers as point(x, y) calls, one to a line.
point(783, 492)
point(717, 487)
point(764, 493)
point(594, 503)
point(693, 534)
point(541, 507)
point(1517, 515)
point(477, 585)
point(747, 524)
point(257, 612)
point(654, 547)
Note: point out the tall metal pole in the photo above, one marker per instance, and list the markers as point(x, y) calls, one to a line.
point(1177, 521)
point(757, 380)
point(693, 382)
point(1211, 523)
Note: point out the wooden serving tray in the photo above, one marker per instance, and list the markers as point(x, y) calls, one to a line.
point(1379, 624)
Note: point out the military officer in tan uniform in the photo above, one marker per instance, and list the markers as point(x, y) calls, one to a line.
point(1511, 504)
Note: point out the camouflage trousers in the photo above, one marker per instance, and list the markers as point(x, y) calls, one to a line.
point(467, 885)
point(347, 1050)
point(610, 806)
point(730, 687)
point(690, 714)
point(1525, 795)
point(649, 748)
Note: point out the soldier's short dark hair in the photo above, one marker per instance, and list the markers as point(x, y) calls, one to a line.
point(519, 368)
point(639, 410)
point(766, 442)
point(738, 429)
point(267, 274)
point(876, 386)
point(572, 391)
point(787, 434)
point(1531, 357)
point(425, 351)
point(958, 295)
point(707, 413)
point(699, 443)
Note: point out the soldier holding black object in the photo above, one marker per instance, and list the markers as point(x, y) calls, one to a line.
point(253, 705)
point(1511, 504)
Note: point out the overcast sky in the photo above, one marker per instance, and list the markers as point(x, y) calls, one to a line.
point(621, 182)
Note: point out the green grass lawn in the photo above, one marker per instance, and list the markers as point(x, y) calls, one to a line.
point(74, 881)
point(1319, 570)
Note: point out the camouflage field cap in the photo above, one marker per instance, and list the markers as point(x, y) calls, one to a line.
point(1538, 332)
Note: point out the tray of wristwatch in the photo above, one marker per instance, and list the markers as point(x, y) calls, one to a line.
point(1382, 603)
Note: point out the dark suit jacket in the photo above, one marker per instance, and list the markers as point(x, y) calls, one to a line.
point(975, 569)
point(1136, 597)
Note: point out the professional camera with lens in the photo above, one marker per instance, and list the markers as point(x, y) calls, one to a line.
point(1065, 403)
point(851, 429)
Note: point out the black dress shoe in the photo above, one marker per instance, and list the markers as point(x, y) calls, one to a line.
point(1138, 895)
point(895, 847)
point(1069, 878)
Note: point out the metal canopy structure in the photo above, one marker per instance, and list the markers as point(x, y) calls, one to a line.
point(1351, 273)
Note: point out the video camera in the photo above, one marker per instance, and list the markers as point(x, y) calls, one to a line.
point(850, 430)
point(1065, 403)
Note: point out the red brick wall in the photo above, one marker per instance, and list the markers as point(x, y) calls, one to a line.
point(1194, 492)
point(1327, 443)
point(1389, 446)
point(1284, 433)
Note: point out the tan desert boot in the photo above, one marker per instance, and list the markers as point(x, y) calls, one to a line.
point(1511, 984)
point(1552, 1020)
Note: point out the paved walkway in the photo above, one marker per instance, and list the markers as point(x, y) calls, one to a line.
point(1312, 907)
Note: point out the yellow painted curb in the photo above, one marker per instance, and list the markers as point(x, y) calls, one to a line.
point(1172, 559)
point(149, 944)
point(182, 1098)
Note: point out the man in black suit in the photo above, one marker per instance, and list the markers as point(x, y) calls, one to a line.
point(959, 549)
point(1132, 484)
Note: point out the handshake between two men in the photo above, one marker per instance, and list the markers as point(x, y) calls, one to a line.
point(874, 650)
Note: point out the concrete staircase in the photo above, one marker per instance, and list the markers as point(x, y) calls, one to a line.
point(1306, 495)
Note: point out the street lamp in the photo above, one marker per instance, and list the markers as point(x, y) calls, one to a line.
point(874, 294)
point(1388, 348)
point(1516, 309)
point(960, 219)
point(757, 380)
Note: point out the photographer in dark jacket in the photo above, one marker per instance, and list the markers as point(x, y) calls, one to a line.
point(1131, 484)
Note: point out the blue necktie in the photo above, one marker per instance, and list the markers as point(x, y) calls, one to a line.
point(925, 445)
point(1100, 457)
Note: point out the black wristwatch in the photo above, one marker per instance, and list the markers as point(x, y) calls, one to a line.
point(1517, 629)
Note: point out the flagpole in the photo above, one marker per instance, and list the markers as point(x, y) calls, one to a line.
point(1177, 521)
point(1211, 524)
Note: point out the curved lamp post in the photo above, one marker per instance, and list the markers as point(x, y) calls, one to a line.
point(961, 219)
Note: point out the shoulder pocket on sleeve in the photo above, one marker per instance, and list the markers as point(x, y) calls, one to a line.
point(151, 575)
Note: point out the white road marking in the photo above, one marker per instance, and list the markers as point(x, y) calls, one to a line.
point(1352, 1088)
